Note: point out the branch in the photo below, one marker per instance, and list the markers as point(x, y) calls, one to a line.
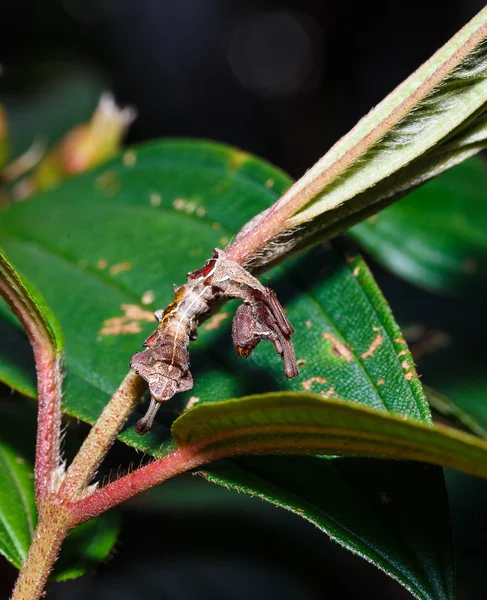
point(46, 340)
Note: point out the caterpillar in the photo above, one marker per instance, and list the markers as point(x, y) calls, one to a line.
point(164, 364)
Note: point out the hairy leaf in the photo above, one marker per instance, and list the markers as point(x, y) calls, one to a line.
point(432, 121)
point(300, 423)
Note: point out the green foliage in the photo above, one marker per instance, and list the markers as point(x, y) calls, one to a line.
point(31, 304)
point(18, 515)
point(106, 248)
point(85, 547)
point(435, 238)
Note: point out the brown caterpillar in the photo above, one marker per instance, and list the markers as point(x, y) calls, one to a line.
point(165, 362)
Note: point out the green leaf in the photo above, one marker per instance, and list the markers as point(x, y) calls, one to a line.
point(300, 423)
point(27, 303)
point(18, 514)
point(447, 341)
point(86, 546)
point(113, 240)
point(435, 237)
point(433, 120)
point(364, 505)
point(454, 414)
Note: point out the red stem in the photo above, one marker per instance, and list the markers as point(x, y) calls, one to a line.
point(120, 490)
point(49, 391)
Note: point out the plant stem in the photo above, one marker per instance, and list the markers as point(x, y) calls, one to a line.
point(49, 391)
point(49, 382)
point(140, 480)
point(102, 436)
point(52, 528)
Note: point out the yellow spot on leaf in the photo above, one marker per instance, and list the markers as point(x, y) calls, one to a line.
point(147, 297)
point(201, 211)
point(356, 271)
point(269, 184)
point(191, 402)
point(301, 362)
point(102, 263)
point(309, 323)
point(373, 347)
point(339, 347)
point(380, 382)
point(119, 267)
point(179, 203)
point(237, 159)
point(129, 158)
point(155, 199)
point(309, 382)
point(328, 393)
point(129, 322)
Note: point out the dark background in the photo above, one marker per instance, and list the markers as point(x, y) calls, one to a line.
point(283, 80)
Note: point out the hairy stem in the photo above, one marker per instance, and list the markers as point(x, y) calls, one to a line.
point(49, 389)
point(140, 480)
point(52, 528)
point(102, 436)
point(49, 384)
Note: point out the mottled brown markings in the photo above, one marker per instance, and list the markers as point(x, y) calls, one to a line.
point(165, 362)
